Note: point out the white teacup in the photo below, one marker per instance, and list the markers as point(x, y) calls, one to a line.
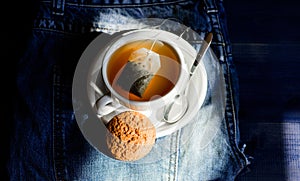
point(173, 69)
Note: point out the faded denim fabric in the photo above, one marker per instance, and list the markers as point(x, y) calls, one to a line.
point(48, 144)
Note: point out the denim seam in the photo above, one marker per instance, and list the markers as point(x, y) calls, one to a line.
point(173, 162)
point(120, 5)
point(58, 135)
point(234, 118)
point(230, 116)
point(177, 154)
point(229, 109)
point(55, 31)
point(48, 24)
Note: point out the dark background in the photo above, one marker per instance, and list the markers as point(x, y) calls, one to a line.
point(15, 21)
point(265, 36)
point(266, 45)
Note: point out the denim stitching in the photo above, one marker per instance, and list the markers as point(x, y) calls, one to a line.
point(79, 26)
point(177, 146)
point(230, 107)
point(58, 139)
point(111, 5)
point(63, 27)
point(174, 157)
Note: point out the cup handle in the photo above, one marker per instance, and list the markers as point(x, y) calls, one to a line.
point(106, 105)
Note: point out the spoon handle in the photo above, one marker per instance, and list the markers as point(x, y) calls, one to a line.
point(202, 51)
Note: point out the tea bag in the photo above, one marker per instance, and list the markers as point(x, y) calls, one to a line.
point(139, 70)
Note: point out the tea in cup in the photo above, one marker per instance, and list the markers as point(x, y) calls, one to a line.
point(144, 71)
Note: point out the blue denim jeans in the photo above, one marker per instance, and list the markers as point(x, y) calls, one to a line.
point(48, 145)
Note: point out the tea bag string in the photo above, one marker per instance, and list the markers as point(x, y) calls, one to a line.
point(180, 36)
point(202, 42)
point(159, 27)
point(163, 22)
point(151, 48)
point(186, 30)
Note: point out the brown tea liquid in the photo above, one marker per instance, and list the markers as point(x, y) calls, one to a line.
point(162, 82)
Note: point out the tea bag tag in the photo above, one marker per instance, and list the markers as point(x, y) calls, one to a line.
point(145, 59)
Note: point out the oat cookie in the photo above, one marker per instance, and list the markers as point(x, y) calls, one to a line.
point(131, 136)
